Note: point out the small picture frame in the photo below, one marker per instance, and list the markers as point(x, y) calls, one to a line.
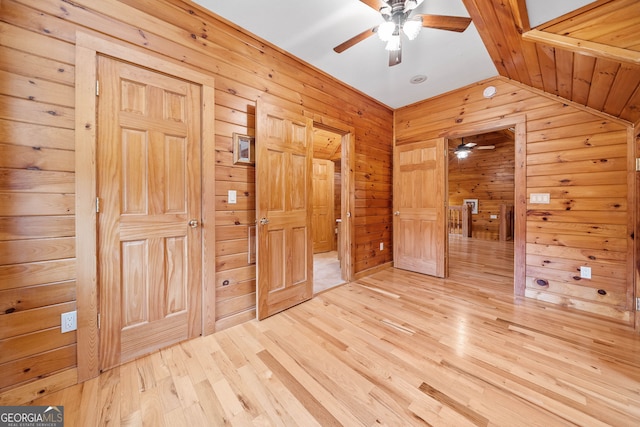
point(243, 149)
point(473, 203)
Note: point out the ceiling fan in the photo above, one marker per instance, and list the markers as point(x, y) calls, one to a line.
point(463, 150)
point(397, 20)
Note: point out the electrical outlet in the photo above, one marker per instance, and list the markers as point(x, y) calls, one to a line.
point(381, 246)
point(68, 322)
point(585, 272)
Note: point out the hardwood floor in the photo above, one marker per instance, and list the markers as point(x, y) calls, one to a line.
point(394, 348)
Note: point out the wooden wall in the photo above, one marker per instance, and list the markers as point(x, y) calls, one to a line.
point(37, 184)
point(583, 160)
point(486, 175)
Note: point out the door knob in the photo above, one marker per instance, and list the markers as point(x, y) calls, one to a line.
point(193, 223)
point(397, 213)
point(264, 221)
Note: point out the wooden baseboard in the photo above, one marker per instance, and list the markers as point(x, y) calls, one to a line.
point(369, 271)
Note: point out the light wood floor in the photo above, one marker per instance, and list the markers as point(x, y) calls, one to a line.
point(395, 348)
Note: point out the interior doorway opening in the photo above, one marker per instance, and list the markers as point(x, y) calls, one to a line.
point(481, 203)
point(327, 209)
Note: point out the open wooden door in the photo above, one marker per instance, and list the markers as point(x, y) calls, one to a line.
point(323, 222)
point(149, 197)
point(284, 154)
point(419, 204)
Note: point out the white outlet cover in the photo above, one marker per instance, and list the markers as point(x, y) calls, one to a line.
point(231, 197)
point(585, 272)
point(68, 322)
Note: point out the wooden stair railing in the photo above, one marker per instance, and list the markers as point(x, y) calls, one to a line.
point(459, 220)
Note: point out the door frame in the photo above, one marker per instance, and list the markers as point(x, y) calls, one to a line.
point(88, 47)
point(519, 123)
point(347, 188)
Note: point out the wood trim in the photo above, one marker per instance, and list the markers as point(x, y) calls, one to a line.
point(584, 47)
point(86, 218)
point(520, 184)
point(634, 184)
point(87, 49)
point(520, 15)
point(208, 210)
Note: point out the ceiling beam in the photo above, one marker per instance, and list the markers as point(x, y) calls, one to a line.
point(584, 47)
point(520, 15)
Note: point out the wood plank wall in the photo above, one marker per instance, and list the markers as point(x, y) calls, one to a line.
point(37, 224)
point(581, 159)
point(486, 175)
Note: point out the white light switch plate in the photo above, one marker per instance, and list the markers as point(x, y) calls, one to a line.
point(542, 198)
point(231, 197)
point(585, 272)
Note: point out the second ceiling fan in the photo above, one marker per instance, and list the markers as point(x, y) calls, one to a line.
point(398, 19)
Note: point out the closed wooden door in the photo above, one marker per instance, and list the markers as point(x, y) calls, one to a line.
point(419, 204)
point(148, 170)
point(323, 223)
point(283, 191)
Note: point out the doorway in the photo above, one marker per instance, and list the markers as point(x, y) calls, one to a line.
point(480, 200)
point(327, 209)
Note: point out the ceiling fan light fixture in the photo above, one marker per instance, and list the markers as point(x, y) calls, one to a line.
point(411, 28)
point(462, 154)
point(386, 11)
point(409, 5)
point(394, 43)
point(386, 30)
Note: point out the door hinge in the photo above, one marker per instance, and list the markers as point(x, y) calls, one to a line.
point(97, 204)
point(97, 88)
point(98, 320)
point(637, 164)
point(637, 304)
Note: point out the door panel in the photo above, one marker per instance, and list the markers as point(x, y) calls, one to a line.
point(419, 207)
point(149, 167)
point(283, 190)
point(323, 222)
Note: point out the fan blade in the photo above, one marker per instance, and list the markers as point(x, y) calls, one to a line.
point(356, 39)
point(470, 144)
point(373, 4)
point(395, 57)
point(485, 147)
point(444, 22)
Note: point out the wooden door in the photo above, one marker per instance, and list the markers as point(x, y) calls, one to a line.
point(284, 144)
point(323, 223)
point(149, 171)
point(419, 222)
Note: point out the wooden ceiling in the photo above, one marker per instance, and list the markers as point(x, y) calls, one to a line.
point(590, 57)
point(327, 145)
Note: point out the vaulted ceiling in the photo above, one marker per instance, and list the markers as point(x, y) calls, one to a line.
point(589, 56)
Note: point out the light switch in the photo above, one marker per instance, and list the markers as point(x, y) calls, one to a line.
point(231, 197)
point(541, 198)
point(585, 272)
